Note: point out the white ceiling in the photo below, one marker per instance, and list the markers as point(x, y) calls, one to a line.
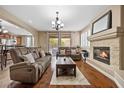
point(14, 29)
point(75, 17)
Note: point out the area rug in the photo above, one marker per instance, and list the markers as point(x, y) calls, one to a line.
point(69, 80)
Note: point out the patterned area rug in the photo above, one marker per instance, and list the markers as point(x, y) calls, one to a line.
point(69, 80)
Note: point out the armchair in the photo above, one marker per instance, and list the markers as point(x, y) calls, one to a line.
point(24, 72)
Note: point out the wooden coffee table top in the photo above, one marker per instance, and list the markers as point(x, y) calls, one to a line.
point(65, 61)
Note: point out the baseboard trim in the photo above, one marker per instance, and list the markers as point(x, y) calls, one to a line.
point(117, 82)
point(106, 74)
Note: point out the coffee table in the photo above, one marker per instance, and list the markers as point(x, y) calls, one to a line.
point(64, 65)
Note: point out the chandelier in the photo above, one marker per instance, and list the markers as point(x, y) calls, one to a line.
point(2, 29)
point(57, 24)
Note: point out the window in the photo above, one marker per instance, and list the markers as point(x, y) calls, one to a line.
point(57, 39)
point(65, 39)
point(53, 40)
point(84, 39)
point(29, 41)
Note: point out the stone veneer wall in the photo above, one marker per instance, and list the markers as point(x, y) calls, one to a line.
point(113, 43)
point(114, 40)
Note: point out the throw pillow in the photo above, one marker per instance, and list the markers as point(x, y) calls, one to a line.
point(73, 51)
point(23, 58)
point(40, 55)
point(77, 50)
point(62, 51)
point(30, 58)
point(35, 55)
point(43, 53)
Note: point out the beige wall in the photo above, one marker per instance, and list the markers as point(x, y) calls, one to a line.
point(116, 15)
point(75, 39)
point(23, 40)
point(122, 15)
point(43, 40)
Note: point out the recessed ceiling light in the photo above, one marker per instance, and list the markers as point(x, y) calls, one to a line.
point(5, 31)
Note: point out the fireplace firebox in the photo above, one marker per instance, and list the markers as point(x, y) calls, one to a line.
point(102, 54)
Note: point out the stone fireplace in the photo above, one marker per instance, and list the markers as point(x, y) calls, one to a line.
point(102, 54)
point(112, 38)
point(106, 53)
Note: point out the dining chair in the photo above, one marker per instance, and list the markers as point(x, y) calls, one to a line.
point(1, 56)
point(5, 51)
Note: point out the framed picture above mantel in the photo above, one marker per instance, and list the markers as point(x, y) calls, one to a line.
point(103, 23)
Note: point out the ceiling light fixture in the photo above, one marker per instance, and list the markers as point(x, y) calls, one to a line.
point(57, 24)
point(2, 29)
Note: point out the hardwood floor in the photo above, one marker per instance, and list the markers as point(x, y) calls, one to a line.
point(97, 79)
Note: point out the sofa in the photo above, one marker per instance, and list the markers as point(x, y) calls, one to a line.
point(24, 71)
point(72, 52)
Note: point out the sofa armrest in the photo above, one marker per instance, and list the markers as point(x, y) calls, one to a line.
point(23, 65)
point(24, 72)
point(47, 53)
point(23, 58)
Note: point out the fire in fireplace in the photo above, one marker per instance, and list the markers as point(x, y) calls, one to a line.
point(102, 54)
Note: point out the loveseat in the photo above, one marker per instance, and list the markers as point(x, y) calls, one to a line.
point(72, 52)
point(24, 71)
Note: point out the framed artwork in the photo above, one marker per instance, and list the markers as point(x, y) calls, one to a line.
point(103, 23)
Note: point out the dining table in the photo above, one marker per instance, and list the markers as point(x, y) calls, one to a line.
point(4, 50)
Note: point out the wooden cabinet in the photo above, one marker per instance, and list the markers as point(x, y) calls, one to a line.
point(18, 40)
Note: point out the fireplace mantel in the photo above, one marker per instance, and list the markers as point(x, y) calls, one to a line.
point(111, 33)
point(113, 38)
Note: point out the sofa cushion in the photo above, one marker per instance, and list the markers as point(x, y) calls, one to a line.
point(30, 58)
point(43, 53)
point(40, 70)
point(43, 59)
point(23, 58)
point(23, 50)
point(15, 55)
point(34, 52)
point(44, 62)
point(62, 51)
point(35, 55)
point(73, 51)
point(69, 51)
